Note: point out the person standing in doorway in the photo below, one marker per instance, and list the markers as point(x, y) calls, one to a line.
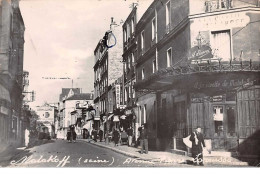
point(130, 135)
point(197, 140)
point(144, 138)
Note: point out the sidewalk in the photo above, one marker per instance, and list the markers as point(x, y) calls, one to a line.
point(167, 157)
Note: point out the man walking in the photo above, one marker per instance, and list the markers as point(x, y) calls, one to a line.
point(130, 135)
point(197, 140)
point(143, 138)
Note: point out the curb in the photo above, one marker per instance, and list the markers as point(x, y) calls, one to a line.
point(117, 150)
point(143, 158)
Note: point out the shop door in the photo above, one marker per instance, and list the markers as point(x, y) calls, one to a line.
point(224, 118)
point(218, 127)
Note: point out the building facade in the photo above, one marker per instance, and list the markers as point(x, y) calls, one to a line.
point(129, 57)
point(192, 70)
point(11, 72)
point(107, 69)
point(47, 115)
point(72, 110)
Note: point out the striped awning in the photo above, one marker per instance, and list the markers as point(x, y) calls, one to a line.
point(110, 116)
point(116, 119)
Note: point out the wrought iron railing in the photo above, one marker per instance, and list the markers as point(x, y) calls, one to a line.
point(197, 66)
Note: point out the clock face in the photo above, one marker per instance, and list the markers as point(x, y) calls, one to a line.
point(47, 114)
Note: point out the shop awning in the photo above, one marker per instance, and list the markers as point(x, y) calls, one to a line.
point(123, 117)
point(96, 118)
point(116, 119)
point(87, 126)
point(110, 116)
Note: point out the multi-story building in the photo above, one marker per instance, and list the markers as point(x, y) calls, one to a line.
point(129, 57)
point(197, 64)
point(108, 68)
point(11, 72)
point(71, 109)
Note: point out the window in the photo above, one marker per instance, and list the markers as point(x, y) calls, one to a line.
point(128, 62)
point(129, 92)
point(125, 35)
point(126, 94)
point(168, 14)
point(142, 42)
point(142, 73)
point(153, 29)
point(218, 118)
point(155, 62)
point(221, 45)
point(154, 66)
point(169, 57)
point(125, 66)
point(133, 91)
point(128, 30)
point(144, 113)
point(132, 25)
point(133, 58)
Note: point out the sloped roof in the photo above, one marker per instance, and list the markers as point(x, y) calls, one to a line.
point(82, 96)
point(65, 92)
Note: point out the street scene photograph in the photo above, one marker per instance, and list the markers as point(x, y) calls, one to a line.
point(129, 84)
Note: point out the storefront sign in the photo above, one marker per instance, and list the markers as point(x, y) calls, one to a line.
point(204, 52)
point(223, 84)
point(117, 86)
point(229, 20)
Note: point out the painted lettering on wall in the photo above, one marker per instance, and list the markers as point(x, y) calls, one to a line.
point(223, 84)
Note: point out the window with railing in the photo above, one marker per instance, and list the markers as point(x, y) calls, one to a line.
point(142, 42)
point(143, 74)
point(169, 57)
point(153, 31)
point(168, 16)
point(215, 5)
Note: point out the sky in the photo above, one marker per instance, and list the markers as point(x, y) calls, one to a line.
point(60, 38)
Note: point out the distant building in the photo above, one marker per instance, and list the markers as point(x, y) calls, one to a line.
point(67, 92)
point(47, 115)
point(71, 110)
point(11, 73)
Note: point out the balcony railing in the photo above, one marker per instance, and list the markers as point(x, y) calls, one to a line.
point(216, 5)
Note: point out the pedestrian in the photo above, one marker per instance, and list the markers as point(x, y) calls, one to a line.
point(94, 135)
point(116, 136)
point(68, 135)
point(73, 133)
point(100, 133)
point(27, 137)
point(143, 138)
point(197, 140)
point(130, 135)
point(86, 134)
point(123, 137)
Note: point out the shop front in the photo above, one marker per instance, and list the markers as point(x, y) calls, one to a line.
point(225, 104)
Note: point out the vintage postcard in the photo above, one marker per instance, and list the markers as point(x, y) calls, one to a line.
point(129, 83)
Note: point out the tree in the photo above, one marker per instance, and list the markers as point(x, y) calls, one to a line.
point(33, 120)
